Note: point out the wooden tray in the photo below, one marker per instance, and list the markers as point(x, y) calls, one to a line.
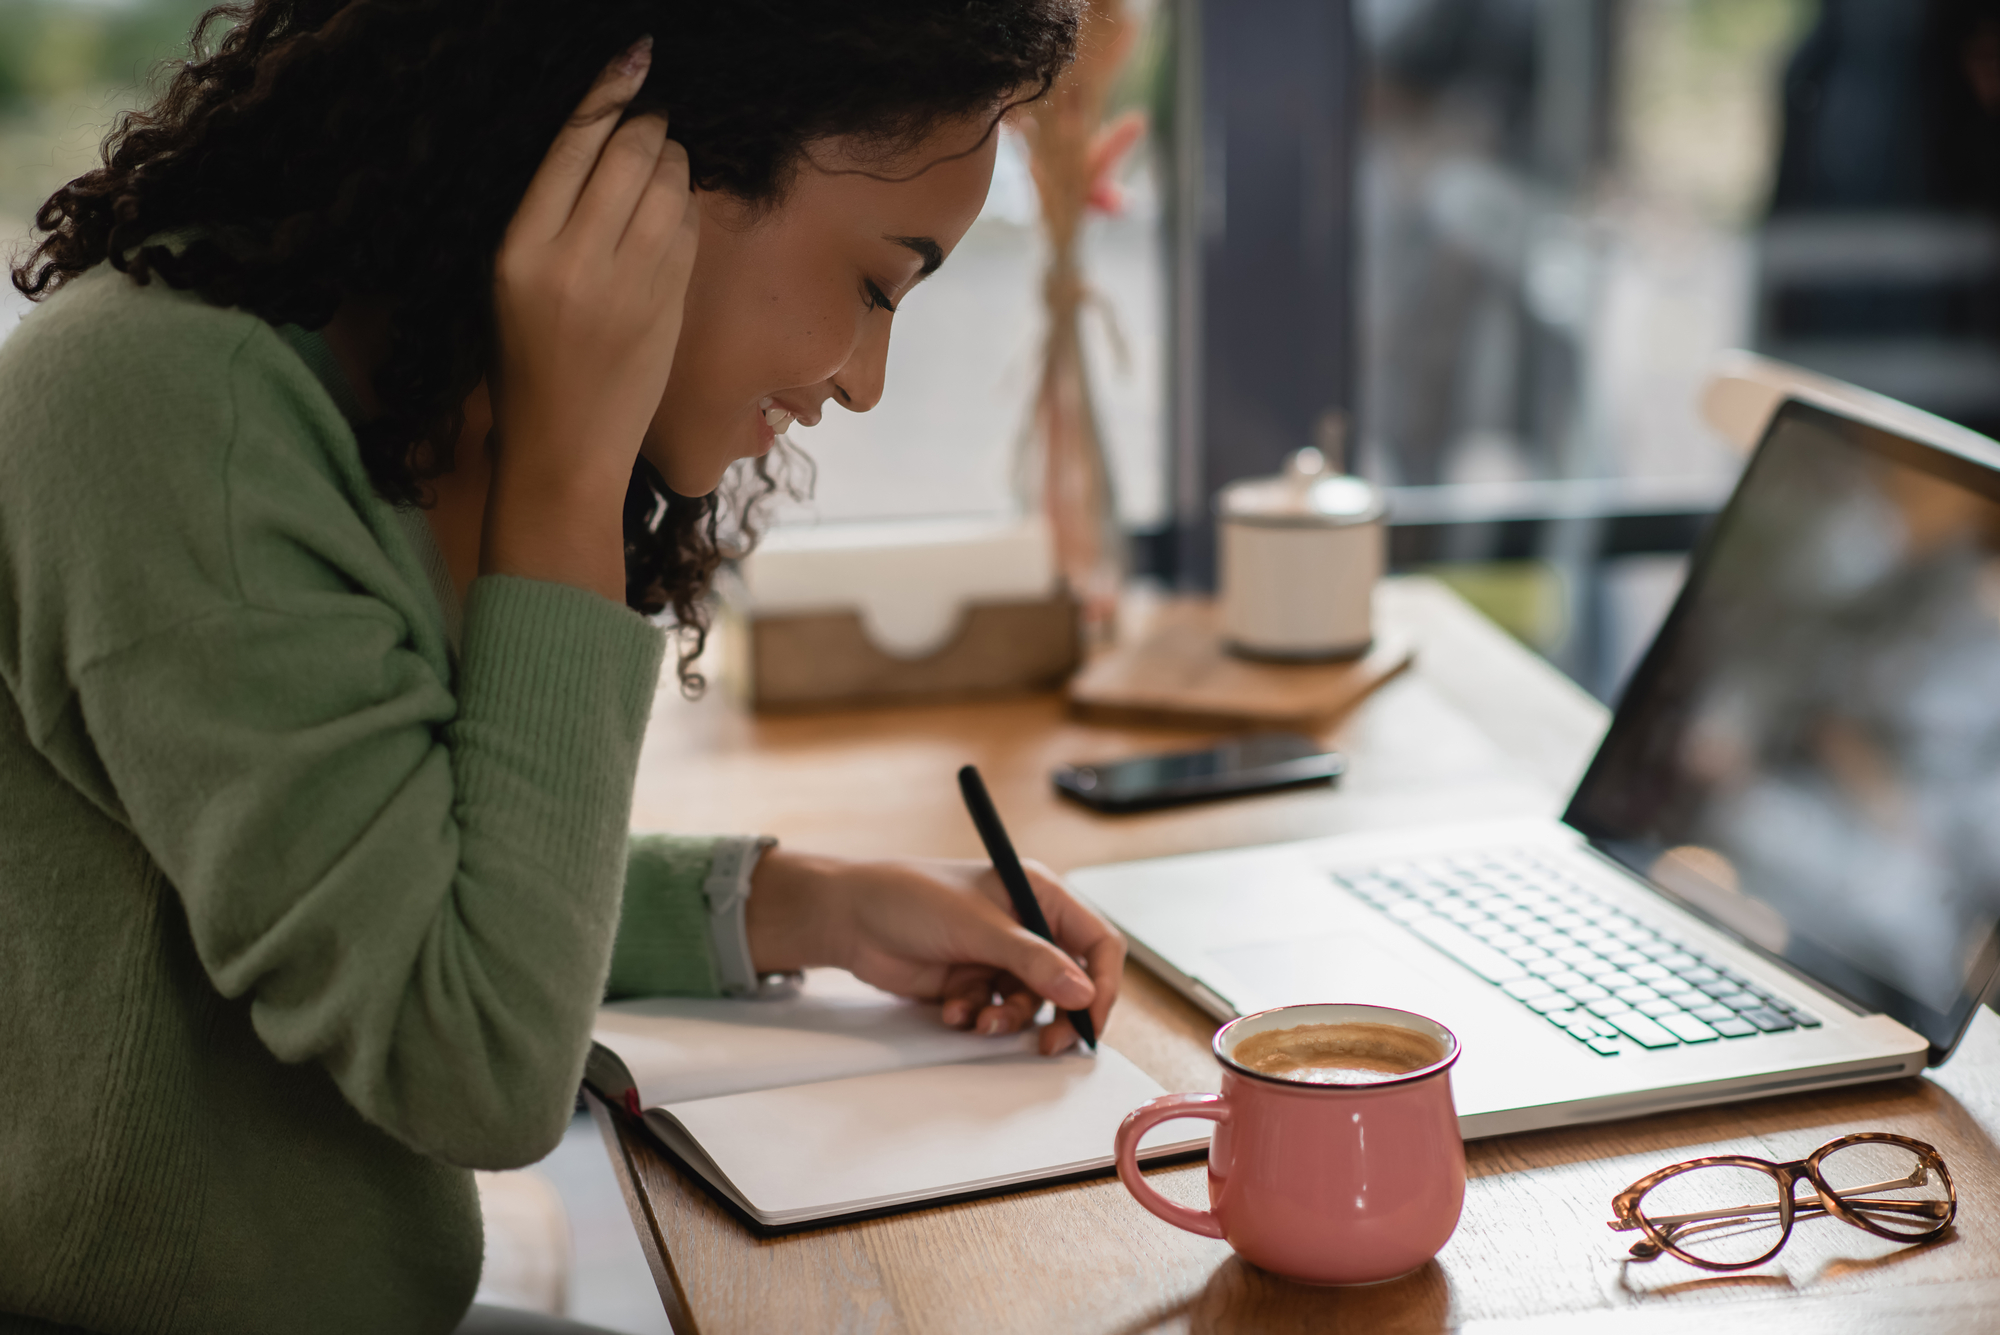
point(1178, 675)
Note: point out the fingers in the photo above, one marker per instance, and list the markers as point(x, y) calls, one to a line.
point(666, 223)
point(607, 206)
point(1085, 936)
point(560, 180)
point(1106, 963)
point(987, 1002)
point(1058, 1035)
point(1038, 964)
point(968, 990)
point(1013, 1012)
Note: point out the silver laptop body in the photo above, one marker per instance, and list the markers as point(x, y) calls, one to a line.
point(1781, 872)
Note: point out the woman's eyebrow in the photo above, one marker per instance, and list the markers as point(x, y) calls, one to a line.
point(930, 251)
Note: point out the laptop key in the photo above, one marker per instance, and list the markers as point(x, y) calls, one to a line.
point(1526, 989)
point(1645, 1032)
point(1734, 1027)
point(1607, 1008)
point(1770, 1021)
point(1586, 992)
point(1605, 1047)
point(1804, 1020)
point(1657, 1008)
point(1468, 950)
point(1687, 1029)
point(1712, 1013)
point(1554, 1001)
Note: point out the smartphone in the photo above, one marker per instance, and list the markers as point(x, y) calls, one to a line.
point(1256, 763)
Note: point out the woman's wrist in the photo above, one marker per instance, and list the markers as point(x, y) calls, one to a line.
point(562, 527)
point(791, 911)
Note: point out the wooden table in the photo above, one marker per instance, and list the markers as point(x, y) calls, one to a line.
point(1479, 727)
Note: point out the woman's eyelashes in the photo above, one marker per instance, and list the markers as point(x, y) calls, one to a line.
point(877, 298)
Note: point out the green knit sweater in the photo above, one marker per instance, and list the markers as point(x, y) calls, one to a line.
point(302, 914)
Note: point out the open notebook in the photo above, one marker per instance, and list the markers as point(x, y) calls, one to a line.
point(844, 1100)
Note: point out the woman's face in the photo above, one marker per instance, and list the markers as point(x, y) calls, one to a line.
point(790, 308)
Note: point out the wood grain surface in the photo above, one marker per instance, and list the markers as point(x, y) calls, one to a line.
point(1479, 727)
point(1179, 674)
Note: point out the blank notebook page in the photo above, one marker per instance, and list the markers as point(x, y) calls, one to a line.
point(865, 1142)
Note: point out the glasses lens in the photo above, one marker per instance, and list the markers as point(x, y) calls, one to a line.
point(1889, 1185)
point(1719, 1213)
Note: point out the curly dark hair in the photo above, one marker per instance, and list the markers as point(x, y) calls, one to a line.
point(324, 150)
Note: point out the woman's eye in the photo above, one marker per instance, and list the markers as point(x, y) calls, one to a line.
point(877, 298)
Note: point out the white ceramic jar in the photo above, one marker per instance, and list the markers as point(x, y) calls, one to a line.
point(1298, 557)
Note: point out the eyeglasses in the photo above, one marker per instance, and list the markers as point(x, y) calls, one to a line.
point(1732, 1212)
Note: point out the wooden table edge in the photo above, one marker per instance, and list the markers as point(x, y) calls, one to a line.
point(612, 1125)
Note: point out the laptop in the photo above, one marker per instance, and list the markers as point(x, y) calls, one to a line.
point(1781, 871)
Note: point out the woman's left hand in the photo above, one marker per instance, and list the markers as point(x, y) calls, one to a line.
point(937, 930)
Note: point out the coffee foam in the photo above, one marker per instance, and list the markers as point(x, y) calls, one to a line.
point(1356, 1053)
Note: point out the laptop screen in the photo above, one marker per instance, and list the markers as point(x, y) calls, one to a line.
point(1809, 754)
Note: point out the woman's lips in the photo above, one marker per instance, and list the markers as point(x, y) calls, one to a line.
point(776, 416)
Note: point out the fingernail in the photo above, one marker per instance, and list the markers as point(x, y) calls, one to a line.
point(954, 1012)
point(637, 59)
point(990, 1025)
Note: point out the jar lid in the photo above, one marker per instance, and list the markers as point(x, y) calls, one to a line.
point(1307, 494)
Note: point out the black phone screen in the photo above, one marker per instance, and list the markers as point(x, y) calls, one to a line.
point(1252, 764)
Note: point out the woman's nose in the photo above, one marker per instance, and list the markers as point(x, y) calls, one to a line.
point(858, 384)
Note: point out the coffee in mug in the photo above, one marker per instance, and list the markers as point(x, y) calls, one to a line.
point(1356, 1053)
point(1336, 1157)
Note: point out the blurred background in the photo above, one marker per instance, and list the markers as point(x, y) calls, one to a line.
point(1529, 226)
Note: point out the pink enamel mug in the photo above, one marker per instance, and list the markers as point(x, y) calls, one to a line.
point(1324, 1183)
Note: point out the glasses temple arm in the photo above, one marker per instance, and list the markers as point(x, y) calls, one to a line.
point(1916, 1179)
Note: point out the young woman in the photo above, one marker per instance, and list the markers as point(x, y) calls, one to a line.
point(389, 363)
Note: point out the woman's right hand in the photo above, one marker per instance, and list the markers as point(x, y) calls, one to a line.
point(587, 294)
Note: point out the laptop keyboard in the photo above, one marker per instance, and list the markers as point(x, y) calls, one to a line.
point(1594, 971)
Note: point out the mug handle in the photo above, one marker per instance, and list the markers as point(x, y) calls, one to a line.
point(1212, 1107)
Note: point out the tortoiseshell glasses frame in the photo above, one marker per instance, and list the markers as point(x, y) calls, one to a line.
point(1851, 1206)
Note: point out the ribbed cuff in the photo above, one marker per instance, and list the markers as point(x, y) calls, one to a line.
point(663, 946)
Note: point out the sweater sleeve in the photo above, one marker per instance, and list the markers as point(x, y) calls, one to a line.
point(663, 940)
point(406, 873)
point(418, 892)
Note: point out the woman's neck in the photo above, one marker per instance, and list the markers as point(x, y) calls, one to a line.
point(358, 337)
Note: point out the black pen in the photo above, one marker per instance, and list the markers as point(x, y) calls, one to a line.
point(1001, 850)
